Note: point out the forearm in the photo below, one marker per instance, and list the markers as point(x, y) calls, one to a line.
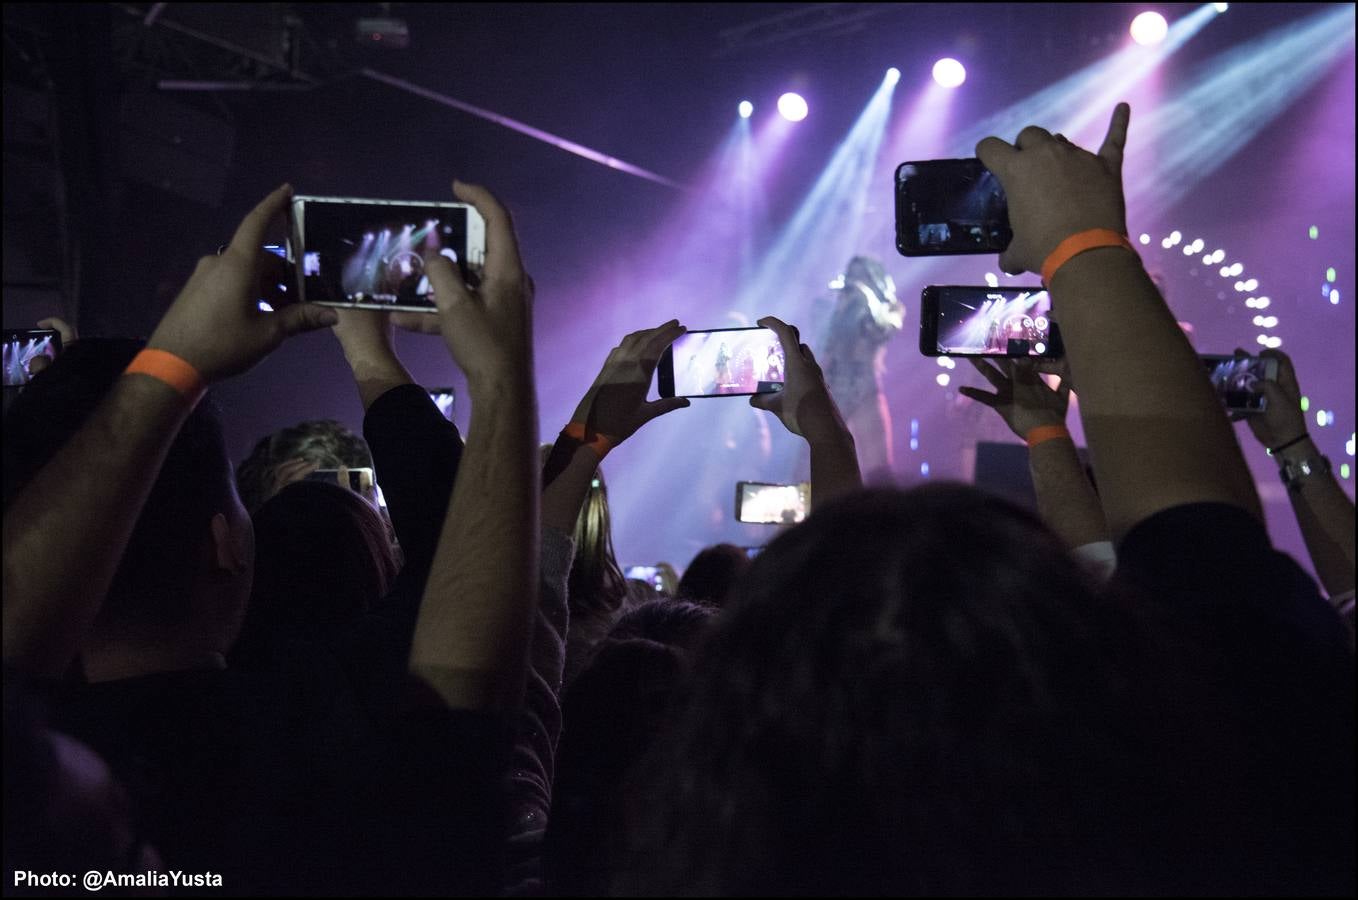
point(65, 533)
point(564, 494)
point(834, 466)
point(1325, 515)
point(1153, 423)
point(471, 639)
point(1065, 498)
point(375, 372)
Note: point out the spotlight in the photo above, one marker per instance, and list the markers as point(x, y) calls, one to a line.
point(893, 75)
point(746, 109)
point(792, 107)
point(1149, 28)
point(949, 72)
point(1221, 7)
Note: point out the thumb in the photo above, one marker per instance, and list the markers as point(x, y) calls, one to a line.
point(302, 317)
point(668, 404)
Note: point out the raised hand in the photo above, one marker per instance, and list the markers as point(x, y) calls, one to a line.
point(488, 329)
point(804, 405)
point(1282, 419)
point(215, 323)
point(1039, 166)
point(615, 405)
point(1021, 397)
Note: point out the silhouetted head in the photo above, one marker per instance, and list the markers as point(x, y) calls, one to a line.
point(712, 574)
point(325, 442)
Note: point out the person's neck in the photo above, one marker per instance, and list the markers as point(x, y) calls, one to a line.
point(120, 660)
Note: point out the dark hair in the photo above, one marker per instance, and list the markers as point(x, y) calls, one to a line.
point(194, 483)
point(910, 693)
point(712, 574)
point(321, 558)
point(325, 442)
point(612, 712)
point(676, 623)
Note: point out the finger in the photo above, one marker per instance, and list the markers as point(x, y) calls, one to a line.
point(662, 337)
point(250, 234)
point(807, 355)
point(1287, 375)
point(1033, 136)
point(421, 323)
point(772, 402)
point(1279, 398)
point(787, 336)
point(301, 317)
point(1009, 263)
point(449, 289)
point(658, 408)
point(989, 372)
point(1116, 138)
point(980, 396)
point(502, 247)
point(995, 155)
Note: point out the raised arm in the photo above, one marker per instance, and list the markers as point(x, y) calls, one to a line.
point(1157, 432)
point(66, 531)
point(805, 408)
point(1037, 414)
point(471, 639)
point(1324, 512)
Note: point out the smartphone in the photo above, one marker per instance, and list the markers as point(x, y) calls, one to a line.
point(1239, 380)
point(369, 254)
point(987, 321)
point(360, 481)
point(946, 207)
point(443, 398)
point(758, 503)
point(23, 347)
point(649, 574)
point(722, 362)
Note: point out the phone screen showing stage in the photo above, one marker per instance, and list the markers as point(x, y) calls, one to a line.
point(22, 347)
point(772, 504)
point(950, 206)
point(370, 254)
point(1239, 380)
point(994, 322)
point(730, 361)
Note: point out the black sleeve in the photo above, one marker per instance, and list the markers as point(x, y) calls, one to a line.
point(417, 452)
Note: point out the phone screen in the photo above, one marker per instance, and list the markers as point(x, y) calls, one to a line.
point(985, 321)
point(950, 206)
point(724, 362)
point(648, 574)
point(22, 349)
point(370, 253)
point(1239, 380)
point(772, 504)
point(444, 399)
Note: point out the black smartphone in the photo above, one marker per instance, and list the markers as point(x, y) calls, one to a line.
point(987, 321)
point(649, 574)
point(359, 480)
point(946, 207)
point(369, 254)
point(722, 362)
point(758, 503)
point(1239, 380)
point(23, 346)
point(444, 399)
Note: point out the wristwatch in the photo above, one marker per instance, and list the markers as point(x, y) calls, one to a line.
point(1295, 471)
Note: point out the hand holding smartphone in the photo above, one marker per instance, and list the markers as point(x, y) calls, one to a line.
point(986, 321)
point(1239, 380)
point(369, 254)
point(722, 362)
point(28, 351)
point(947, 207)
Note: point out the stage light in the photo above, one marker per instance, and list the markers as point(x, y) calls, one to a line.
point(1305, 404)
point(1221, 7)
point(943, 379)
point(1262, 303)
point(1334, 296)
point(1330, 274)
point(991, 280)
point(1040, 347)
point(746, 109)
point(1145, 239)
point(1348, 447)
point(1344, 471)
point(924, 469)
point(1149, 28)
point(792, 107)
point(949, 73)
point(893, 75)
point(1314, 232)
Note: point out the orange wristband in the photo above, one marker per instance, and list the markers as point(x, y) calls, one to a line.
point(599, 443)
point(170, 369)
point(1043, 433)
point(1078, 243)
